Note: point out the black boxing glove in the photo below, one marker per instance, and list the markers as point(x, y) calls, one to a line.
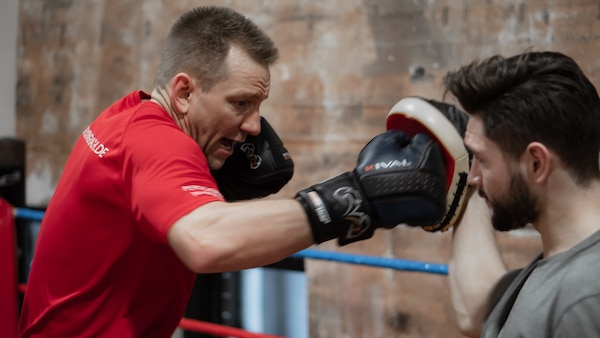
point(258, 167)
point(397, 180)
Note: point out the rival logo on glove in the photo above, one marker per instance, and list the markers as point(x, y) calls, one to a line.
point(387, 165)
point(253, 159)
point(351, 198)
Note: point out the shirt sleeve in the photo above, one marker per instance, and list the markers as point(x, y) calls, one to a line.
point(167, 173)
point(580, 319)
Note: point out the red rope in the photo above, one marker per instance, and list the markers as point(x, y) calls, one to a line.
point(219, 330)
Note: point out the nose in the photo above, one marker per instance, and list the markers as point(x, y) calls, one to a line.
point(251, 124)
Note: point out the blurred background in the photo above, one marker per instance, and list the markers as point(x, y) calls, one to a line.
point(343, 65)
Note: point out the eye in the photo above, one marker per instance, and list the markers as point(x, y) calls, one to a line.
point(478, 159)
point(241, 104)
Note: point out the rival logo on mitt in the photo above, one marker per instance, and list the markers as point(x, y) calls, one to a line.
point(253, 159)
point(258, 167)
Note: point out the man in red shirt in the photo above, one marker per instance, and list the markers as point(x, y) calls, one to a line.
point(137, 213)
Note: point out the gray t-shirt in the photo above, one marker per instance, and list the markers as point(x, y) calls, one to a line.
point(554, 297)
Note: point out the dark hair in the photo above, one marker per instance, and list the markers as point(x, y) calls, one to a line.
point(199, 42)
point(534, 96)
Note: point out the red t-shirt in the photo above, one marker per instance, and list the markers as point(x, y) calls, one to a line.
point(102, 265)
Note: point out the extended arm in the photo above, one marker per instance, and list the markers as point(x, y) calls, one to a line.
point(475, 266)
point(397, 180)
point(222, 236)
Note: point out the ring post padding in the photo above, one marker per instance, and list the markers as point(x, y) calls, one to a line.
point(8, 263)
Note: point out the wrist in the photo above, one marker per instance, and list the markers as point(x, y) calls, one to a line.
point(336, 208)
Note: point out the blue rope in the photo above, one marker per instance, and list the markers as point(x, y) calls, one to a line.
point(392, 263)
point(29, 214)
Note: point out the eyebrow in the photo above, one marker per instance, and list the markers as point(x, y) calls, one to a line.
point(252, 96)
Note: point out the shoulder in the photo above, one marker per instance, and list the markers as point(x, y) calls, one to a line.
point(152, 129)
point(578, 293)
point(579, 318)
point(581, 268)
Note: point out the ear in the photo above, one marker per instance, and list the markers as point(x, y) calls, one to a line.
point(182, 86)
point(537, 162)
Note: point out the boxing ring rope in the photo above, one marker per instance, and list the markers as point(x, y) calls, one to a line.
point(9, 287)
point(381, 262)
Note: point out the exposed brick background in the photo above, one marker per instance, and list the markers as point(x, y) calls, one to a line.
point(344, 63)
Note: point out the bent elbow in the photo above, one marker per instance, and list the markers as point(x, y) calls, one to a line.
point(202, 258)
point(467, 326)
point(196, 253)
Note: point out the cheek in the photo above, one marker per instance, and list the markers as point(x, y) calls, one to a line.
point(207, 115)
point(494, 181)
point(209, 106)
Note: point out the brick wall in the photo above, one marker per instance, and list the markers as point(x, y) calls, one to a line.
point(344, 63)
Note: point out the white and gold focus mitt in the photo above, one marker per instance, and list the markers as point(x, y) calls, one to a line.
point(446, 124)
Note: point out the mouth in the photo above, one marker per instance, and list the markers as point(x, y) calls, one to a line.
point(227, 144)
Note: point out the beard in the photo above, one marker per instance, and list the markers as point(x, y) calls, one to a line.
point(517, 208)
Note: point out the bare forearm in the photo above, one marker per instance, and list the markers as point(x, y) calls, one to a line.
point(475, 266)
point(233, 236)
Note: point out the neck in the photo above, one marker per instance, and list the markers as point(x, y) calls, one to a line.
point(161, 96)
point(568, 221)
